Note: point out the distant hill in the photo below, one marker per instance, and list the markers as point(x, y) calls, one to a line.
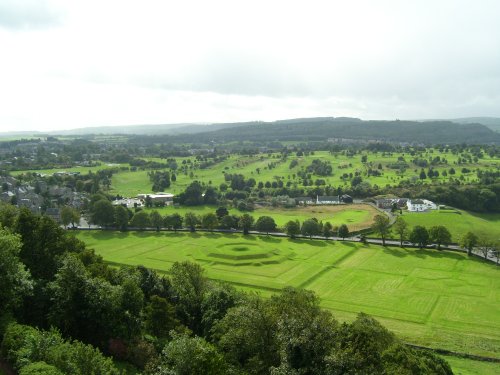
point(321, 129)
point(478, 130)
point(491, 122)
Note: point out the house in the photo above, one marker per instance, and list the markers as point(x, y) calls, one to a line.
point(328, 199)
point(421, 205)
point(346, 198)
point(416, 205)
point(385, 203)
point(164, 198)
point(304, 200)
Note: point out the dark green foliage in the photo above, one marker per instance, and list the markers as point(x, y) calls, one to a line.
point(160, 180)
point(159, 317)
point(320, 168)
point(219, 298)
point(189, 285)
point(191, 221)
point(173, 221)
point(440, 235)
point(192, 196)
point(40, 368)
point(420, 236)
point(15, 280)
point(24, 345)
point(265, 224)
point(186, 355)
point(140, 220)
point(103, 213)
point(292, 228)
point(343, 231)
point(121, 217)
point(310, 228)
point(246, 222)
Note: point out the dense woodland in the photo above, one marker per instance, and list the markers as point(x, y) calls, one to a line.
point(64, 311)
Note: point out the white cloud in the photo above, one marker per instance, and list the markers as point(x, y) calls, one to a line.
point(125, 62)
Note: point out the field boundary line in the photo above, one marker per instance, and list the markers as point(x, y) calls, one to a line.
point(454, 354)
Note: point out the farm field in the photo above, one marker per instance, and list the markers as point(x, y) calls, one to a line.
point(458, 222)
point(437, 299)
point(356, 216)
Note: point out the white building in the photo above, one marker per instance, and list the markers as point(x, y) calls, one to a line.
point(420, 205)
point(165, 198)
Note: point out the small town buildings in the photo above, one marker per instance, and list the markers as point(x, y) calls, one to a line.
point(345, 198)
point(328, 199)
point(304, 200)
point(163, 198)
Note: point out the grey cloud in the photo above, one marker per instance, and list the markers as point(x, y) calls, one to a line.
point(28, 14)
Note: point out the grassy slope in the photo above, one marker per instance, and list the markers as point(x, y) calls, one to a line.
point(463, 366)
point(437, 299)
point(458, 222)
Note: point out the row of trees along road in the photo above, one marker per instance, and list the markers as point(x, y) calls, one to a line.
point(105, 214)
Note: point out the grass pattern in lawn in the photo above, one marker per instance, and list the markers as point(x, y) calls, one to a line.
point(432, 298)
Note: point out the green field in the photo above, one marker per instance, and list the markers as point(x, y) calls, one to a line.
point(269, 167)
point(437, 299)
point(458, 222)
point(463, 366)
point(356, 216)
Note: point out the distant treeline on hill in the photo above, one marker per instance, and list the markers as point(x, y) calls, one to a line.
point(303, 130)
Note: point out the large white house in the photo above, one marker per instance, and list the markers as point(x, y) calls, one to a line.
point(420, 205)
point(165, 198)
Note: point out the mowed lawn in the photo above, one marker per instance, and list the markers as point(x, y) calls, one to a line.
point(433, 298)
point(458, 222)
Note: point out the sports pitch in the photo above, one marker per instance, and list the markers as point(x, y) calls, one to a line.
point(433, 298)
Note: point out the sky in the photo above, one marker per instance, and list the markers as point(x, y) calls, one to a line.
point(67, 64)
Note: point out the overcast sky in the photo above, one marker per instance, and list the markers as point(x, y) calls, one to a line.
point(67, 64)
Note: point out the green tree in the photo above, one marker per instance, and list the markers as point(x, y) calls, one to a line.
point(156, 220)
point(401, 228)
point(381, 225)
point(310, 227)
point(103, 213)
point(8, 215)
point(121, 217)
point(159, 317)
point(221, 212)
point(343, 231)
point(140, 220)
point(440, 235)
point(173, 221)
point(69, 216)
point(247, 336)
point(219, 298)
point(305, 332)
point(327, 230)
point(265, 224)
point(186, 355)
point(189, 284)
point(292, 228)
point(469, 240)
point(209, 221)
point(246, 222)
point(485, 246)
point(39, 368)
point(15, 280)
point(420, 236)
point(191, 220)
